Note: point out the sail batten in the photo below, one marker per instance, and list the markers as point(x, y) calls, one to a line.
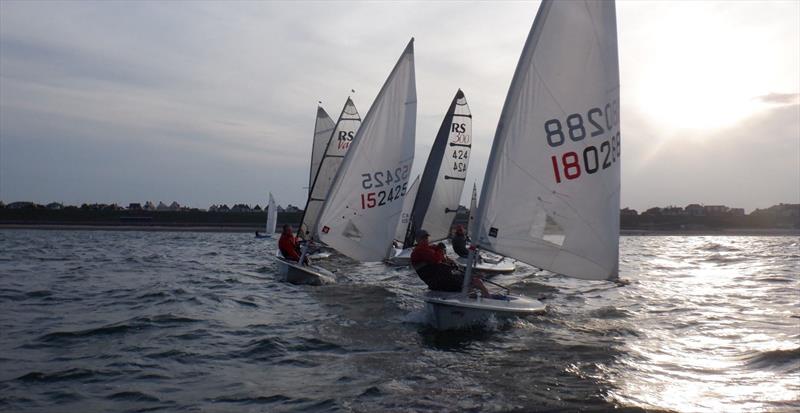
point(363, 206)
point(550, 195)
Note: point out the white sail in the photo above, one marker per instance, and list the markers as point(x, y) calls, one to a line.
point(272, 216)
point(322, 134)
point(473, 210)
point(405, 214)
point(335, 150)
point(555, 161)
point(360, 217)
point(444, 175)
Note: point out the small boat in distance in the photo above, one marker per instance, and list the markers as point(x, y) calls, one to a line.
point(555, 162)
point(272, 219)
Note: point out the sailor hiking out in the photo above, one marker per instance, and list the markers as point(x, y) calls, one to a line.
point(438, 271)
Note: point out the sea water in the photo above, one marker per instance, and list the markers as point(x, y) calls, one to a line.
point(96, 321)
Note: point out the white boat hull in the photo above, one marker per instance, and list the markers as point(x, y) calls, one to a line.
point(295, 273)
point(401, 257)
point(319, 255)
point(449, 311)
point(497, 266)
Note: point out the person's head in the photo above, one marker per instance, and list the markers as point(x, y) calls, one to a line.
point(422, 236)
point(460, 230)
point(287, 229)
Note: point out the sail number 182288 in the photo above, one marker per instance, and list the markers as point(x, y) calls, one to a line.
point(594, 157)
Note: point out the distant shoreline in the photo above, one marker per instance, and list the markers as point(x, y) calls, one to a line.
point(253, 228)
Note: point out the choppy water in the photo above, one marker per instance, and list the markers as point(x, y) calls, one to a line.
point(147, 321)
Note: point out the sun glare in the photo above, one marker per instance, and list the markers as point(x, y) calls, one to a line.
point(707, 74)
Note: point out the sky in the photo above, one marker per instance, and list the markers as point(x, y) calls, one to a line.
point(214, 102)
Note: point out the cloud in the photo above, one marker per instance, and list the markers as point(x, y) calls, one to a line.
point(752, 164)
point(202, 102)
point(780, 98)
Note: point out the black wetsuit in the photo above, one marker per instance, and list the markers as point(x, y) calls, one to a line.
point(460, 245)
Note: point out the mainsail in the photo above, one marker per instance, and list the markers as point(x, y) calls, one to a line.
point(322, 133)
point(555, 161)
point(445, 171)
point(336, 148)
point(272, 216)
point(360, 216)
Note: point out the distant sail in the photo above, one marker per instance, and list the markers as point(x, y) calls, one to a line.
point(360, 217)
point(555, 161)
point(322, 134)
point(334, 152)
point(445, 171)
point(473, 210)
point(272, 216)
point(405, 215)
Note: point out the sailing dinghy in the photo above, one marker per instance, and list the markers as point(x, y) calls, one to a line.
point(360, 216)
point(272, 219)
point(334, 141)
point(336, 149)
point(436, 200)
point(555, 161)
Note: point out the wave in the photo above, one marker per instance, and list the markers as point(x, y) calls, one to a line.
point(713, 246)
point(63, 375)
point(787, 359)
point(610, 312)
point(723, 259)
point(275, 398)
point(133, 396)
point(137, 324)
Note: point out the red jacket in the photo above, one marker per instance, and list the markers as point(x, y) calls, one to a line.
point(425, 253)
point(288, 246)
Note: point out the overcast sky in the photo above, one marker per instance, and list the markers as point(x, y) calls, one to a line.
point(214, 102)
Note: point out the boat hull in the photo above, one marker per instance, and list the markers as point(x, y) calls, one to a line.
point(450, 311)
point(401, 257)
point(501, 265)
point(295, 273)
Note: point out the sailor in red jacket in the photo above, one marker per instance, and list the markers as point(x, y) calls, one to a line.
point(438, 271)
point(288, 244)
